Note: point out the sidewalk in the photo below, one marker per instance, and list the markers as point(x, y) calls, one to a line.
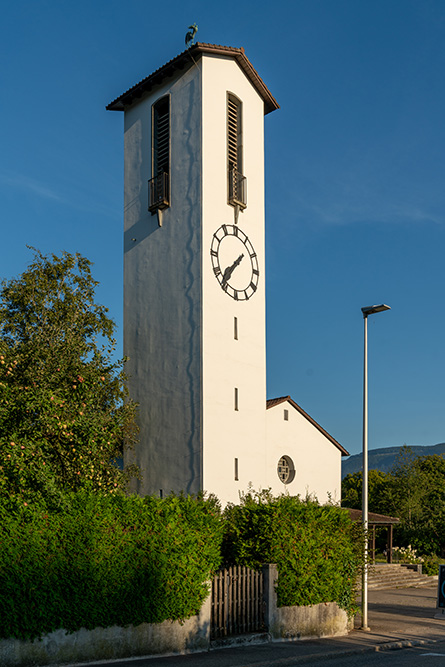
point(397, 617)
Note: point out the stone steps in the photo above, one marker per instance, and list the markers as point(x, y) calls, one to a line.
point(397, 576)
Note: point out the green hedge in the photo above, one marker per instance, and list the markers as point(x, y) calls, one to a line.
point(317, 548)
point(124, 560)
point(104, 561)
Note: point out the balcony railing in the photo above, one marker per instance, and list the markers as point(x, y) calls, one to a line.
point(237, 188)
point(158, 192)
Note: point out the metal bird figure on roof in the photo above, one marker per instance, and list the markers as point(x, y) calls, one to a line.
point(190, 35)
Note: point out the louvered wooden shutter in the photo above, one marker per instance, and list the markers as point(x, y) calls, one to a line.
point(161, 137)
point(234, 133)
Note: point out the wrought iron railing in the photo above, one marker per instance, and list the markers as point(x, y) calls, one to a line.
point(237, 188)
point(158, 192)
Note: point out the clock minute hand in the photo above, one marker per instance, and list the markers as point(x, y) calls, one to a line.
point(230, 269)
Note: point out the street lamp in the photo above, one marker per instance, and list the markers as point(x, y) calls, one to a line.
point(367, 310)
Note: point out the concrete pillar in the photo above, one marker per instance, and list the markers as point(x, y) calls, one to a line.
point(270, 578)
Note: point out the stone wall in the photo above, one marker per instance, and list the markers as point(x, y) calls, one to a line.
point(113, 643)
point(287, 623)
point(172, 637)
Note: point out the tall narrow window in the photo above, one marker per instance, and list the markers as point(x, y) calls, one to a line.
point(235, 328)
point(236, 470)
point(236, 181)
point(236, 398)
point(159, 185)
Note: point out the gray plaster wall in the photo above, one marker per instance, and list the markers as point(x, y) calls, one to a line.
point(319, 620)
point(162, 293)
point(287, 623)
point(147, 639)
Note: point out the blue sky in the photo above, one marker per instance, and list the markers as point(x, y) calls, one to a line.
point(355, 179)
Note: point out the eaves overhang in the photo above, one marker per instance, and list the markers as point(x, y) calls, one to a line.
point(186, 59)
point(373, 518)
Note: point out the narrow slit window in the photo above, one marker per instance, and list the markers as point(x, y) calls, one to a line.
point(236, 399)
point(236, 470)
point(235, 328)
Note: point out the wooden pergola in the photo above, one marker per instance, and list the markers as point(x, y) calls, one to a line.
point(377, 521)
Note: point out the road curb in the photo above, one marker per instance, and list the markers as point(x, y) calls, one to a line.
point(331, 655)
point(281, 662)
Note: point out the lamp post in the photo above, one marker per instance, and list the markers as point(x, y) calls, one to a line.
point(368, 310)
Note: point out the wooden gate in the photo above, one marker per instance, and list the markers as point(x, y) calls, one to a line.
point(237, 602)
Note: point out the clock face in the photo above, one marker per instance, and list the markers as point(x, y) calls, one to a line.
point(234, 262)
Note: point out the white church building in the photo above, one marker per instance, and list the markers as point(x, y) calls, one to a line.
point(194, 288)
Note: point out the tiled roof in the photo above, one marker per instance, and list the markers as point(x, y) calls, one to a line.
point(272, 402)
point(186, 58)
point(373, 518)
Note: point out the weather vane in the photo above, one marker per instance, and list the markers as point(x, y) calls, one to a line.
point(190, 35)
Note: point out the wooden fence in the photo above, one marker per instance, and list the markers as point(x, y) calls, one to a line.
point(237, 602)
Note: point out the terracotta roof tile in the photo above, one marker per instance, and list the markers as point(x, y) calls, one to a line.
point(186, 58)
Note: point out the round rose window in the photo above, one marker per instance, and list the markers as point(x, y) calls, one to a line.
point(286, 469)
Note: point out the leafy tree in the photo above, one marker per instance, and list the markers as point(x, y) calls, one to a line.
point(406, 488)
point(64, 415)
point(378, 482)
point(418, 498)
point(413, 491)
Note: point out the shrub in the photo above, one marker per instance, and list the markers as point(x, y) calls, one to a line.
point(431, 564)
point(105, 560)
point(407, 555)
point(317, 548)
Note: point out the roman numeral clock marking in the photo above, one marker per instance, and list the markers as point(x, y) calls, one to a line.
point(234, 262)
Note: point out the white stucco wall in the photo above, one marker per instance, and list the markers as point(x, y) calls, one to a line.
point(317, 460)
point(178, 323)
point(162, 293)
point(230, 363)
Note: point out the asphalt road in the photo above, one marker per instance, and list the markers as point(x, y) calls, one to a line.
point(417, 656)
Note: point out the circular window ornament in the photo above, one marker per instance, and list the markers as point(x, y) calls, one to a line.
point(286, 470)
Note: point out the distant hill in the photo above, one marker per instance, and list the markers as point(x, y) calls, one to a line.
point(383, 459)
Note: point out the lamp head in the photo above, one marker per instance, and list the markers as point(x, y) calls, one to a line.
point(370, 310)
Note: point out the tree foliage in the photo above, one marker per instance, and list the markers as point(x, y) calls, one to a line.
point(417, 494)
point(413, 491)
point(352, 490)
point(64, 415)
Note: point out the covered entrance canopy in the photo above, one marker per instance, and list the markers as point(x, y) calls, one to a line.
point(377, 521)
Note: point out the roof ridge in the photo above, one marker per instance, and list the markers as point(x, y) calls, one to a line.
point(186, 57)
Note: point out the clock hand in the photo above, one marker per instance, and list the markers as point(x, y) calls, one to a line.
point(230, 269)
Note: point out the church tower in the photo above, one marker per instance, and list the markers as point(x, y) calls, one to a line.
point(194, 272)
